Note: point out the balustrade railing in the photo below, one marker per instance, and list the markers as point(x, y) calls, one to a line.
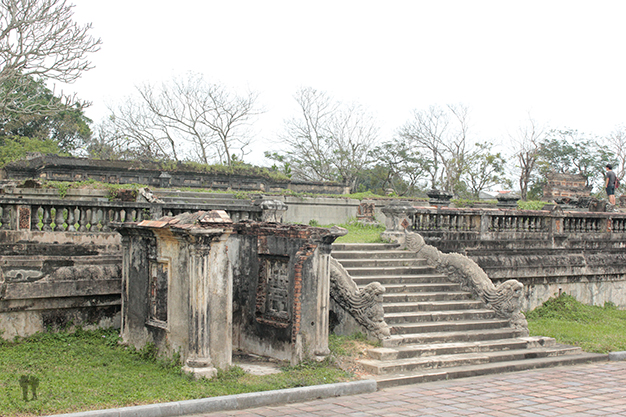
point(96, 216)
point(488, 224)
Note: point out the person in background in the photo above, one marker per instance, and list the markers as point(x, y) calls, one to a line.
point(610, 183)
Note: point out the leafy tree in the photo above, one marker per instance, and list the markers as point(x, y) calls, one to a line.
point(568, 151)
point(16, 147)
point(68, 126)
point(399, 167)
point(328, 141)
point(484, 169)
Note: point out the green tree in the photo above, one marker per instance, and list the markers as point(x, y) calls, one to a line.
point(484, 169)
point(68, 127)
point(399, 167)
point(16, 147)
point(568, 151)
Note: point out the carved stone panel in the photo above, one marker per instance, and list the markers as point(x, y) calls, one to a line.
point(273, 305)
point(159, 277)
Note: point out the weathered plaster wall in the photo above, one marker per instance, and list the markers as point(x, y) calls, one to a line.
point(280, 292)
point(55, 280)
point(593, 269)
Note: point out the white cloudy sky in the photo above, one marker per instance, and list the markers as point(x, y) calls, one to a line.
point(564, 62)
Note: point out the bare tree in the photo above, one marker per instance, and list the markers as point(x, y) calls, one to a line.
point(39, 40)
point(617, 145)
point(527, 146)
point(329, 140)
point(188, 118)
point(440, 134)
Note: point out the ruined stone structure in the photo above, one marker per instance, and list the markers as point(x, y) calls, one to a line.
point(50, 280)
point(59, 168)
point(549, 252)
point(202, 285)
point(565, 185)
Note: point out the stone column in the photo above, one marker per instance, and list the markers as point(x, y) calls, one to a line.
point(210, 304)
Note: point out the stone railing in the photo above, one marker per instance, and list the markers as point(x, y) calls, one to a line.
point(503, 299)
point(491, 224)
point(97, 216)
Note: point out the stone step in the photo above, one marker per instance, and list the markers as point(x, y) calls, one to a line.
point(341, 255)
point(391, 270)
point(448, 326)
point(450, 336)
point(400, 279)
point(441, 305)
point(379, 262)
point(364, 247)
point(442, 374)
point(424, 288)
point(437, 316)
point(425, 297)
point(168, 193)
point(378, 367)
point(202, 201)
point(434, 349)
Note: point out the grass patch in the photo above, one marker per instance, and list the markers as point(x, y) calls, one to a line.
point(88, 370)
point(593, 328)
point(357, 232)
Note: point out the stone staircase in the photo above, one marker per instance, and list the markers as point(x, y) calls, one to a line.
point(439, 331)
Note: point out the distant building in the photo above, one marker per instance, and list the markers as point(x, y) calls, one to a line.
point(565, 185)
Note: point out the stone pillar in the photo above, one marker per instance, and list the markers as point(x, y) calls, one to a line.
point(210, 306)
point(399, 220)
point(439, 198)
point(508, 200)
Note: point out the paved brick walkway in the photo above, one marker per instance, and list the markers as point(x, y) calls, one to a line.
point(597, 389)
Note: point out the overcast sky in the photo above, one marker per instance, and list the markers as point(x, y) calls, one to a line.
point(561, 61)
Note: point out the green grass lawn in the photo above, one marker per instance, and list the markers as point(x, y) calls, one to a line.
point(593, 328)
point(89, 370)
point(360, 233)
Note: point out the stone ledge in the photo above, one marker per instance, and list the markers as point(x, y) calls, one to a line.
point(617, 356)
point(235, 402)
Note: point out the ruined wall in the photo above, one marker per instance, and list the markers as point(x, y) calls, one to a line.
point(201, 285)
point(59, 168)
point(57, 280)
point(281, 290)
point(593, 271)
point(565, 185)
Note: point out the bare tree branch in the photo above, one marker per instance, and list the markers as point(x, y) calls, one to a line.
point(188, 118)
point(329, 141)
point(39, 40)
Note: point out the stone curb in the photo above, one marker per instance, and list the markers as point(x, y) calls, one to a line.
point(617, 356)
point(235, 402)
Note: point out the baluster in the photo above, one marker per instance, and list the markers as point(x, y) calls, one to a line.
point(71, 219)
point(34, 217)
point(106, 220)
point(94, 220)
point(58, 219)
point(6, 217)
point(83, 220)
point(47, 219)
